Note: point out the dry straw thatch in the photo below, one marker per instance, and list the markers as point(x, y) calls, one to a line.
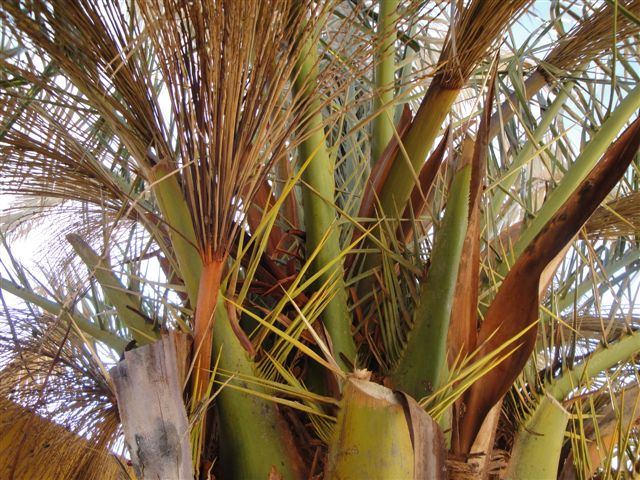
point(34, 447)
point(615, 219)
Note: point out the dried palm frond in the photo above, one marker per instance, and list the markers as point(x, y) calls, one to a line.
point(593, 35)
point(607, 329)
point(228, 67)
point(103, 59)
point(228, 98)
point(47, 368)
point(473, 32)
point(62, 158)
point(34, 447)
point(615, 219)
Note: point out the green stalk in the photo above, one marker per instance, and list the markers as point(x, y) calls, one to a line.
point(318, 190)
point(371, 423)
point(384, 78)
point(599, 361)
point(58, 310)
point(126, 304)
point(176, 214)
point(580, 168)
point(529, 149)
point(416, 144)
point(423, 364)
point(537, 449)
point(254, 437)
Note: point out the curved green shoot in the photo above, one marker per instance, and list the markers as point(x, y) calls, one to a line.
point(536, 453)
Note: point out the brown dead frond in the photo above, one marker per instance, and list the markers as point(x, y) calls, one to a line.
point(47, 368)
point(97, 46)
point(592, 36)
point(46, 151)
point(618, 218)
point(473, 32)
point(34, 447)
point(227, 66)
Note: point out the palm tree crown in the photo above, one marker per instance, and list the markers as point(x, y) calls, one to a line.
point(358, 238)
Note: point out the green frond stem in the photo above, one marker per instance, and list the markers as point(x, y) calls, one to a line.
point(53, 308)
point(379, 435)
point(580, 168)
point(530, 149)
point(416, 144)
point(405, 168)
point(245, 419)
point(384, 78)
point(599, 361)
point(176, 214)
point(320, 215)
point(254, 437)
point(423, 365)
point(537, 449)
point(126, 304)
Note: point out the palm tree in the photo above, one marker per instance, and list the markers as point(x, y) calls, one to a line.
point(339, 239)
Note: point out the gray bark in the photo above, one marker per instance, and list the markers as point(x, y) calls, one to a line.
point(148, 385)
